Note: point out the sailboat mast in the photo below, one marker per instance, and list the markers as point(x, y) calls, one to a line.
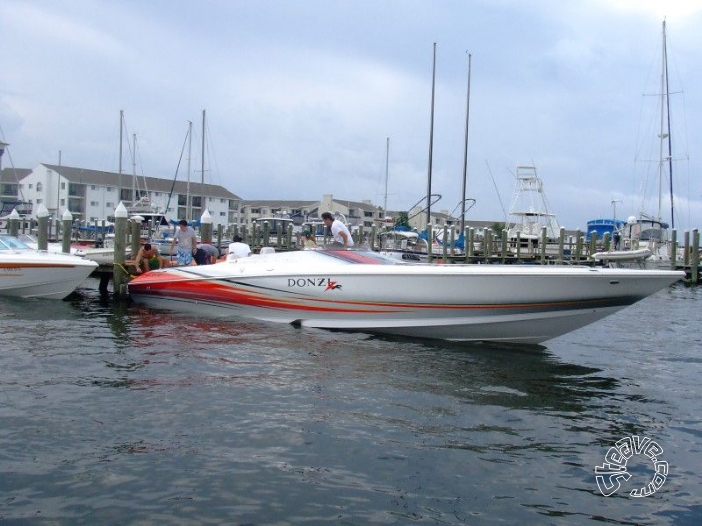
point(387, 158)
point(134, 183)
point(190, 146)
point(431, 144)
point(121, 122)
point(202, 172)
point(465, 152)
point(670, 140)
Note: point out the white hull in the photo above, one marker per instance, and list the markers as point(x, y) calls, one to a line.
point(512, 303)
point(31, 274)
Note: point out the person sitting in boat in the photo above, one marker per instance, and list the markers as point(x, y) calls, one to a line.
point(148, 258)
point(187, 244)
point(341, 234)
point(238, 249)
point(307, 241)
point(206, 254)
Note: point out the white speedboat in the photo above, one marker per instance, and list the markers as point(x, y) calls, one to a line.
point(364, 291)
point(28, 273)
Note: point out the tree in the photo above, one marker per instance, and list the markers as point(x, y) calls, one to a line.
point(497, 228)
point(402, 219)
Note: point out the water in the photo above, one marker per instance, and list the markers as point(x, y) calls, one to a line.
point(120, 415)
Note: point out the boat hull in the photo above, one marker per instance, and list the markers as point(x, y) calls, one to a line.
point(42, 275)
point(512, 303)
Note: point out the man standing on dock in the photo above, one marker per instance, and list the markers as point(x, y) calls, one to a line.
point(187, 243)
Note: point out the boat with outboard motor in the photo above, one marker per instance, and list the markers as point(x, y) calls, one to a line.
point(28, 273)
point(364, 291)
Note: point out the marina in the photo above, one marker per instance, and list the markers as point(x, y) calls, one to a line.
point(117, 419)
point(247, 324)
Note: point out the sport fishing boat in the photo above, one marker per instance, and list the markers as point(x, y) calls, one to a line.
point(28, 273)
point(364, 291)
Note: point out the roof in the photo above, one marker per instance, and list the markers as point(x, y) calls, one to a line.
point(153, 184)
point(277, 203)
point(13, 175)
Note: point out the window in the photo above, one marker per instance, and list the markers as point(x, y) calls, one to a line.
point(109, 189)
point(39, 201)
point(63, 185)
point(94, 203)
point(92, 187)
point(39, 187)
point(30, 186)
point(110, 205)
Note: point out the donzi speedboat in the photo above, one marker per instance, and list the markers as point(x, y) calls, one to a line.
point(28, 273)
point(364, 291)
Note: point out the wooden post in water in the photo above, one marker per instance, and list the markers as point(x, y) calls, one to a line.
point(266, 234)
point(289, 237)
point(444, 246)
point(695, 259)
point(42, 232)
point(13, 222)
point(593, 244)
point(67, 219)
point(119, 273)
point(673, 249)
point(578, 246)
point(206, 227)
point(374, 233)
point(606, 241)
point(452, 249)
point(220, 230)
point(429, 242)
point(469, 237)
point(544, 239)
point(487, 244)
point(504, 245)
point(561, 246)
point(686, 250)
point(519, 246)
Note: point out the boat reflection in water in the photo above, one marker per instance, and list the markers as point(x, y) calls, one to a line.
point(363, 291)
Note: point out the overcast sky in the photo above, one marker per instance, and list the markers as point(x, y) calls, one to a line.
point(301, 96)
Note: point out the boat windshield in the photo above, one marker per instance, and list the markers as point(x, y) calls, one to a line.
point(363, 257)
point(11, 243)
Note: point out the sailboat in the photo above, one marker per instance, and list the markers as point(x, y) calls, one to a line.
point(643, 241)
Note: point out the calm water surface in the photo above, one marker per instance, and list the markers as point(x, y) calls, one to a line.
point(113, 414)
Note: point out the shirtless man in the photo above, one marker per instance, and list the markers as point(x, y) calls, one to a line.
point(147, 259)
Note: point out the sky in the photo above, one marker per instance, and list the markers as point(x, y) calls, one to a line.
point(302, 96)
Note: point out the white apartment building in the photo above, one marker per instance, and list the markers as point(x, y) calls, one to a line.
point(91, 195)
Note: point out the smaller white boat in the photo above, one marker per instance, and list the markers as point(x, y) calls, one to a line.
point(56, 248)
point(28, 273)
